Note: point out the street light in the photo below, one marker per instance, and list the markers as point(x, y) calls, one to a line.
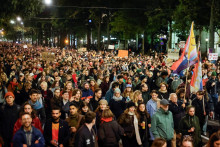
point(206, 40)
point(48, 2)
point(12, 21)
point(18, 18)
point(22, 23)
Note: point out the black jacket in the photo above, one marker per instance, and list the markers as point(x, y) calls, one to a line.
point(63, 137)
point(85, 138)
point(178, 112)
point(8, 117)
point(109, 134)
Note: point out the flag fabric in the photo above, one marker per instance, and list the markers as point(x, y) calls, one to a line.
point(189, 53)
point(196, 81)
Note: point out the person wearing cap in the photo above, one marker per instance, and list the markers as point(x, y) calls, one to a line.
point(103, 104)
point(162, 125)
point(202, 108)
point(128, 92)
point(212, 88)
point(75, 121)
point(117, 103)
point(129, 122)
point(8, 117)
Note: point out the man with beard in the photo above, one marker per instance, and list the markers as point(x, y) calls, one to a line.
point(96, 98)
point(27, 135)
point(86, 92)
point(56, 131)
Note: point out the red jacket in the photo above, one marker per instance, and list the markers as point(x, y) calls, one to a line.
point(35, 122)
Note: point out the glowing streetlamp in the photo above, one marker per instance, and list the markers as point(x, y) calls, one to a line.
point(48, 2)
point(66, 41)
point(12, 21)
point(18, 18)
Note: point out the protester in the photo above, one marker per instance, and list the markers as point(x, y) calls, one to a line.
point(187, 141)
point(144, 123)
point(85, 136)
point(56, 130)
point(75, 121)
point(189, 125)
point(129, 122)
point(28, 135)
point(109, 94)
point(9, 115)
point(65, 105)
point(96, 98)
point(214, 140)
point(110, 131)
point(162, 123)
point(27, 108)
point(159, 142)
point(163, 92)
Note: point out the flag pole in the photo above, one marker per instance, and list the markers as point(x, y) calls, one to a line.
point(186, 80)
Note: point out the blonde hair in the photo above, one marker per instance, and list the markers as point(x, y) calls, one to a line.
point(135, 96)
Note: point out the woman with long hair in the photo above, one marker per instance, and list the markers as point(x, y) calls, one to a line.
point(93, 85)
point(214, 140)
point(105, 85)
point(103, 104)
point(27, 108)
point(110, 131)
point(84, 108)
point(129, 122)
point(137, 97)
point(128, 92)
point(144, 122)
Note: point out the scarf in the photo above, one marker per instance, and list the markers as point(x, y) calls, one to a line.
point(37, 105)
point(138, 138)
point(106, 119)
point(117, 98)
point(162, 91)
point(13, 84)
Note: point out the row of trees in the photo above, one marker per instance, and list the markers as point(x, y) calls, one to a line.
point(124, 19)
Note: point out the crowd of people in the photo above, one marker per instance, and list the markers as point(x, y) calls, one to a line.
point(91, 99)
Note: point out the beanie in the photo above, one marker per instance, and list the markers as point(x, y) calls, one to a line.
point(9, 94)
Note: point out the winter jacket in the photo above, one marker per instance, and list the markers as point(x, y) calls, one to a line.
point(199, 112)
point(163, 95)
point(8, 117)
point(212, 89)
point(162, 124)
point(19, 138)
point(178, 112)
point(85, 137)
point(63, 132)
point(87, 94)
point(146, 96)
point(186, 123)
point(35, 122)
point(109, 134)
point(117, 107)
point(127, 123)
point(109, 94)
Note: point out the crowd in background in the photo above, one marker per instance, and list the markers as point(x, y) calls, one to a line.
point(89, 99)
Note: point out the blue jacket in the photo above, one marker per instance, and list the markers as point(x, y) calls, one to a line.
point(109, 94)
point(19, 138)
point(87, 94)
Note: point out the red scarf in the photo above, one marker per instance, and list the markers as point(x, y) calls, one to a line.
point(106, 119)
point(13, 84)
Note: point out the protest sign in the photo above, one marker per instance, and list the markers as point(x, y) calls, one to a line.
point(123, 53)
point(213, 56)
point(48, 56)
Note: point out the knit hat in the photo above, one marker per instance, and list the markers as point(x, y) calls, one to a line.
point(130, 104)
point(9, 94)
point(214, 73)
point(103, 101)
point(117, 90)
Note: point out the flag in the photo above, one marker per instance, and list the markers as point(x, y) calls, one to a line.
point(196, 81)
point(189, 53)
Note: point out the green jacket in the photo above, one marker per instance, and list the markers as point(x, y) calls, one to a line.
point(162, 124)
point(186, 123)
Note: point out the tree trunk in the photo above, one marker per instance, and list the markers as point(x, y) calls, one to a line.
point(142, 49)
point(108, 31)
point(136, 42)
point(170, 35)
point(211, 27)
point(99, 33)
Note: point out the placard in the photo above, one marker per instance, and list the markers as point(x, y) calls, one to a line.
point(48, 56)
point(123, 53)
point(173, 54)
point(25, 46)
point(213, 56)
point(111, 47)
